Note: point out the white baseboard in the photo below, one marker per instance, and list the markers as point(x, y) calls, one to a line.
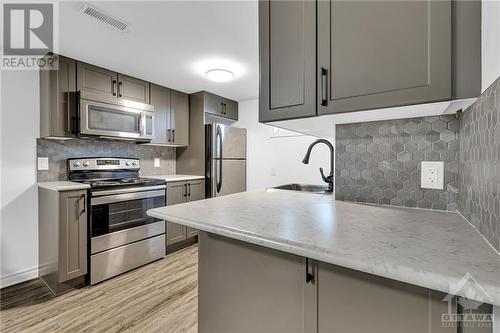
point(19, 277)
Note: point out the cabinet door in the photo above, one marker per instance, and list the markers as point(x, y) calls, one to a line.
point(96, 83)
point(230, 109)
point(287, 35)
point(249, 288)
point(375, 54)
point(176, 194)
point(196, 191)
point(160, 99)
point(133, 89)
point(57, 90)
point(72, 235)
point(345, 296)
point(179, 117)
point(212, 104)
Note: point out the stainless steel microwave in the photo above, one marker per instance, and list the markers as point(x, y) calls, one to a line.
point(105, 120)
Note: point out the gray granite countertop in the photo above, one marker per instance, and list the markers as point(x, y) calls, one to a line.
point(63, 186)
point(176, 178)
point(431, 249)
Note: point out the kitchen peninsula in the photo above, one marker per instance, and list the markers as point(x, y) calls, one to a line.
point(284, 261)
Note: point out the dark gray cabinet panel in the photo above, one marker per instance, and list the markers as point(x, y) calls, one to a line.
point(249, 288)
point(385, 305)
point(57, 88)
point(97, 83)
point(219, 106)
point(196, 191)
point(230, 109)
point(160, 99)
point(374, 54)
point(179, 118)
point(133, 89)
point(72, 235)
point(287, 31)
point(176, 194)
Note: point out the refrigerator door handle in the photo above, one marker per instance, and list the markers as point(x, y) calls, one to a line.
point(218, 180)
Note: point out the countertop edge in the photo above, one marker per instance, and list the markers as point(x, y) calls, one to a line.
point(62, 186)
point(289, 247)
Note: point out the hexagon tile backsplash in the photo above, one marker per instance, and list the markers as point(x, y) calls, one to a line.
point(379, 162)
point(479, 176)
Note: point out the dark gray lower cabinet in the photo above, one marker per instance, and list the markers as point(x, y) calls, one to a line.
point(62, 237)
point(177, 193)
point(249, 288)
point(246, 288)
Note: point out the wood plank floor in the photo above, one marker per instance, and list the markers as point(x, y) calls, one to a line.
point(159, 297)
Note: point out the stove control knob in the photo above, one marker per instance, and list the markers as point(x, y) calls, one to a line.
point(76, 164)
point(86, 163)
point(134, 163)
point(127, 163)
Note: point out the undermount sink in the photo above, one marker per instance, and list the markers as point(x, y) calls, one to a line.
point(304, 188)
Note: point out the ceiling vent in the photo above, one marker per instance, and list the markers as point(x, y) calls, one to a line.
point(102, 16)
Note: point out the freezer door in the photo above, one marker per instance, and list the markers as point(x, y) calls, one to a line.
point(228, 177)
point(228, 141)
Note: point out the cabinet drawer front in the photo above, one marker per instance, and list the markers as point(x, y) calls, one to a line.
point(110, 263)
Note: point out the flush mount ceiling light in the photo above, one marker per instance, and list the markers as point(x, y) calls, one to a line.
point(219, 75)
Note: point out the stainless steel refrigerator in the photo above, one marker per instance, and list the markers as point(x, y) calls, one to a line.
point(226, 163)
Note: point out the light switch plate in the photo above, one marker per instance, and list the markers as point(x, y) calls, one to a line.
point(156, 162)
point(432, 175)
point(42, 163)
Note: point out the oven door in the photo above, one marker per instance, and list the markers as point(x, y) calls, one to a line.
point(109, 120)
point(117, 210)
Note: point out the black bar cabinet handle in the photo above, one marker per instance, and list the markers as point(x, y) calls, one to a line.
point(120, 89)
point(84, 203)
point(173, 135)
point(114, 87)
point(185, 190)
point(309, 276)
point(189, 187)
point(324, 86)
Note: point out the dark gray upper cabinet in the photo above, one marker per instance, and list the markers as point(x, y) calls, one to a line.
point(171, 111)
point(324, 57)
point(179, 118)
point(287, 31)
point(57, 88)
point(375, 54)
point(97, 83)
point(160, 99)
point(133, 89)
point(101, 84)
point(219, 106)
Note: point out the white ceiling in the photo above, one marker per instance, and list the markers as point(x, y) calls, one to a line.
point(171, 43)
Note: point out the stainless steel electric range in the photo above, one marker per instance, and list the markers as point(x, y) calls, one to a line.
point(122, 237)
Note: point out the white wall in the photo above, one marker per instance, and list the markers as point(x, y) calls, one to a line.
point(278, 160)
point(490, 43)
point(19, 116)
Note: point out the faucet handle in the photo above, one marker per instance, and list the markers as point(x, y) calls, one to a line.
point(328, 179)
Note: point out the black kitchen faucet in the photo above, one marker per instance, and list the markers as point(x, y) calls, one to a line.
point(327, 179)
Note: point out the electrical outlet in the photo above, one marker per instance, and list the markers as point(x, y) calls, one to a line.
point(432, 175)
point(42, 163)
point(156, 162)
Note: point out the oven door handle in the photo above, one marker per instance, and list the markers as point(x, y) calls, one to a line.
point(128, 190)
point(107, 199)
